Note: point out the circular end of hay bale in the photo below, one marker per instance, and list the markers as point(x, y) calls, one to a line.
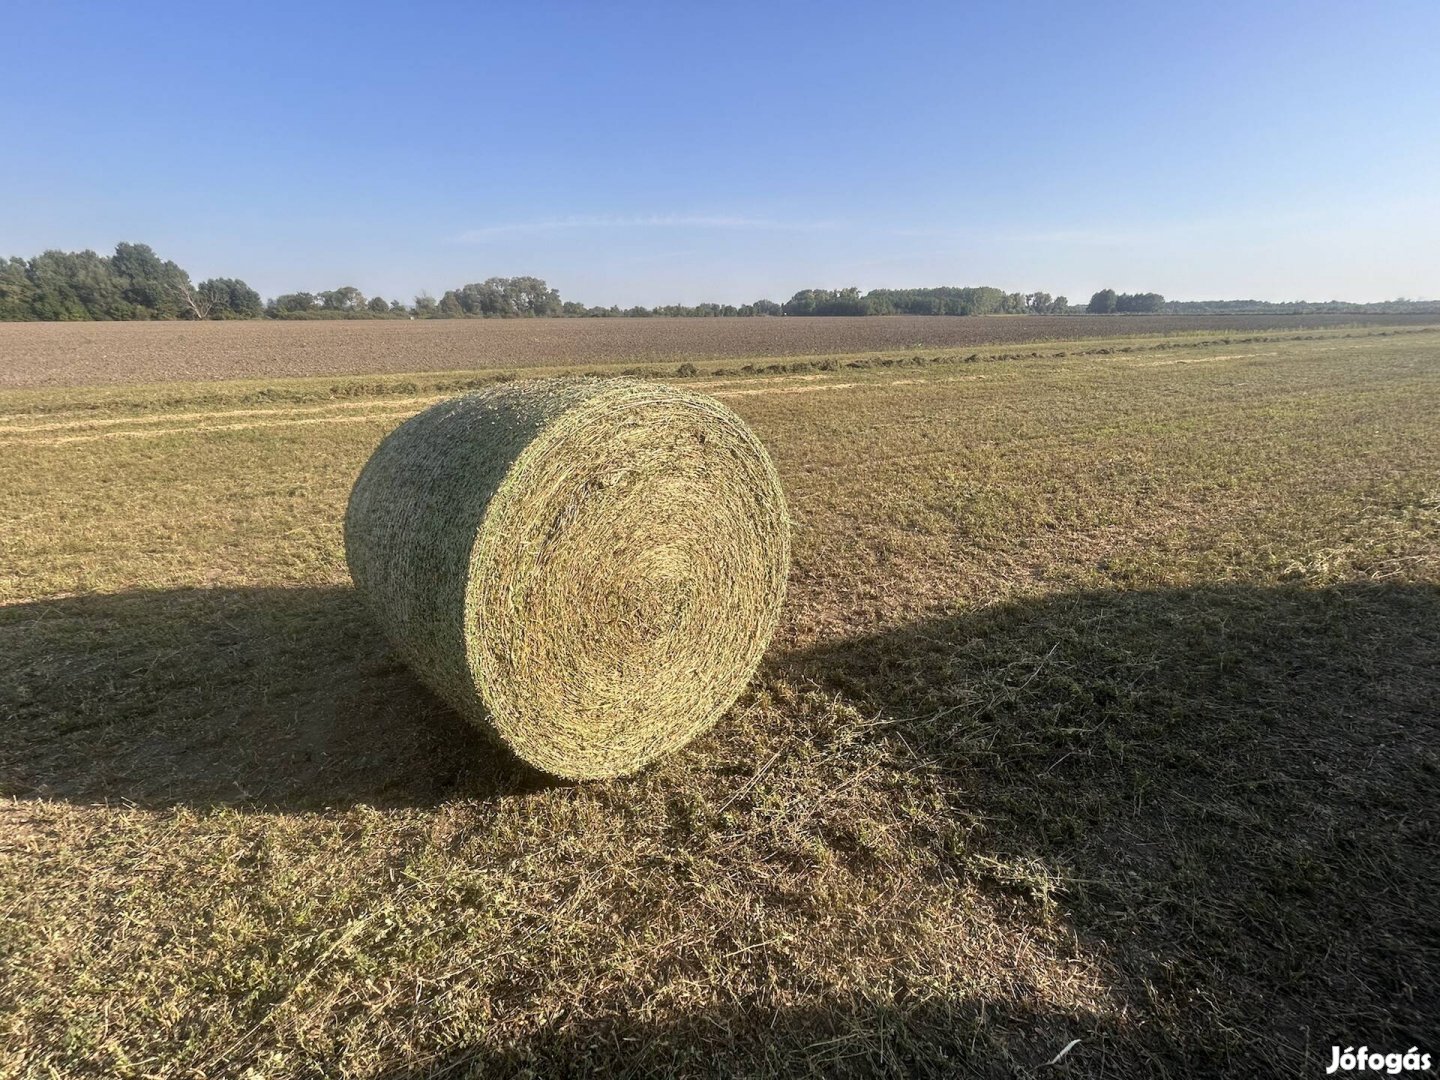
point(589, 569)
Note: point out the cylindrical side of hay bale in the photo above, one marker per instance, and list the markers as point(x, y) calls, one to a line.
point(588, 569)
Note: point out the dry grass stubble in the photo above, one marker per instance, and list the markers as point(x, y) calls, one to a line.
point(1102, 708)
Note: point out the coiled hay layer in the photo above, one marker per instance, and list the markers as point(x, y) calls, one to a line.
point(589, 569)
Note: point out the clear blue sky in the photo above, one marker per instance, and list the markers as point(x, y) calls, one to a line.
point(673, 152)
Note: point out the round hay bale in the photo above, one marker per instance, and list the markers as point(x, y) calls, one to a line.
point(588, 569)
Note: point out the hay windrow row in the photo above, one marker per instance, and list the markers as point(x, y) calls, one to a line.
point(588, 569)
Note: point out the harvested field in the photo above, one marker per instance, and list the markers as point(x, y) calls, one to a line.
point(1103, 711)
point(77, 354)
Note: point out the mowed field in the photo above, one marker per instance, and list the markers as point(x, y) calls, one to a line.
point(77, 354)
point(1106, 707)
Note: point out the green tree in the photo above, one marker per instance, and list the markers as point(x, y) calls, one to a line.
point(1149, 302)
point(532, 296)
point(828, 302)
point(16, 291)
point(948, 300)
point(345, 298)
point(1102, 303)
point(499, 297)
point(377, 305)
point(79, 285)
point(155, 288)
point(294, 304)
point(222, 298)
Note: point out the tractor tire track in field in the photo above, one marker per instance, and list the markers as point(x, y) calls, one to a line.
point(205, 429)
point(23, 424)
point(158, 418)
point(1207, 359)
point(292, 416)
point(282, 418)
point(382, 410)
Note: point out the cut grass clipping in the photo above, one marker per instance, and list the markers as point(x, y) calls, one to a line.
point(588, 569)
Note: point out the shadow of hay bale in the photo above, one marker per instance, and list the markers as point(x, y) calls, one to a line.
point(279, 698)
point(1235, 790)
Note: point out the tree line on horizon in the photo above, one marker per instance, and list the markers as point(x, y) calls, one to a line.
point(135, 283)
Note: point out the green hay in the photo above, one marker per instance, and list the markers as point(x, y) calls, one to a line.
point(588, 569)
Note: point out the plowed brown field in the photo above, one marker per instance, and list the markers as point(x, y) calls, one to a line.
point(78, 354)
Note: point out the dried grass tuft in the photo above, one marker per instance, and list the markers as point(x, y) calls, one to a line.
point(588, 569)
